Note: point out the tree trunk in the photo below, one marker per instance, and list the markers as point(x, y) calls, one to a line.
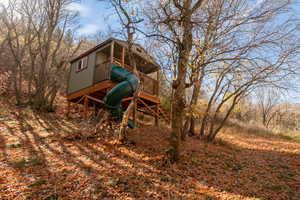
point(192, 127)
point(15, 85)
point(122, 136)
point(189, 126)
point(122, 132)
point(194, 101)
point(203, 125)
point(177, 119)
point(184, 49)
point(186, 127)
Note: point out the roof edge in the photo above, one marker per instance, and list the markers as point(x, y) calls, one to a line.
point(107, 42)
point(93, 49)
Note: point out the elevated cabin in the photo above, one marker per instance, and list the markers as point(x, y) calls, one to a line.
point(89, 77)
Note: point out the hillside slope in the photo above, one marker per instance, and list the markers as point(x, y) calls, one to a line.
point(37, 161)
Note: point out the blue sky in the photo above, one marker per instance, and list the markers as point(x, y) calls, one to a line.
point(94, 16)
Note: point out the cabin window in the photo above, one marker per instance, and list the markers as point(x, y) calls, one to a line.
point(82, 64)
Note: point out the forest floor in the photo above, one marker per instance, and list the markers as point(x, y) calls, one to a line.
point(38, 162)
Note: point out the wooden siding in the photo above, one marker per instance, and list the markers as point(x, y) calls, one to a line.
point(102, 72)
point(79, 80)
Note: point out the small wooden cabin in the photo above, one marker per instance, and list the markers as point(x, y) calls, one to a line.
point(89, 79)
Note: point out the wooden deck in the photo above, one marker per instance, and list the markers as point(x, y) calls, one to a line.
point(103, 88)
point(94, 95)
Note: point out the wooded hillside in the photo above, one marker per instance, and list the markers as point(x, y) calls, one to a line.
point(228, 101)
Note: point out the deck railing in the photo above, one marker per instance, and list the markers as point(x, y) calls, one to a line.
point(148, 84)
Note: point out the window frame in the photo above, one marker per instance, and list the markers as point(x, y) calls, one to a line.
point(82, 64)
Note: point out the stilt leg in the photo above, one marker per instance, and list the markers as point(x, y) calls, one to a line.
point(134, 113)
point(156, 116)
point(68, 108)
point(85, 107)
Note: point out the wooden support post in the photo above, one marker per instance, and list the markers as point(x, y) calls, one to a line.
point(123, 57)
point(112, 46)
point(86, 101)
point(95, 109)
point(157, 85)
point(156, 116)
point(134, 113)
point(68, 108)
point(171, 111)
point(78, 108)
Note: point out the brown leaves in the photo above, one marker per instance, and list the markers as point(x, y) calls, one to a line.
point(238, 166)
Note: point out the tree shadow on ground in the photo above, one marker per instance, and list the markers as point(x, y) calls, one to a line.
point(38, 163)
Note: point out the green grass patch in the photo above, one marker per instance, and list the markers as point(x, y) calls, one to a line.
point(100, 180)
point(52, 197)
point(3, 188)
point(205, 197)
point(258, 130)
point(114, 182)
point(274, 187)
point(16, 145)
point(38, 183)
point(35, 161)
point(165, 179)
point(288, 137)
point(66, 172)
point(97, 189)
point(279, 136)
point(87, 170)
point(285, 177)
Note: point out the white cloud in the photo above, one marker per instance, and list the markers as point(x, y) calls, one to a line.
point(4, 2)
point(11, 6)
point(83, 10)
point(88, 29)
point(90, 18)
point(253, 6)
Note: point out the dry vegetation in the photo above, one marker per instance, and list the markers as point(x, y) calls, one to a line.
point(223, 51)
point(38, 162)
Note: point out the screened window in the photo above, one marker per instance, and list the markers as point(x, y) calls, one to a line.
point(82, 64)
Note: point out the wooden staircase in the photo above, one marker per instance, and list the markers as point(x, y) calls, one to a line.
point(155, 111)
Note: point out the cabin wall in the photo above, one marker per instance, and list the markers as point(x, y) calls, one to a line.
point(102, 68)
point(79, 80)
point(101, 58)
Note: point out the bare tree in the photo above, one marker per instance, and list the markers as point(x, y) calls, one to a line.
point(235, 47)
point(173, 22)
point(268, 101)
point(196, 79)
point(227, 48)
point(41, 45)
point(129, 20)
